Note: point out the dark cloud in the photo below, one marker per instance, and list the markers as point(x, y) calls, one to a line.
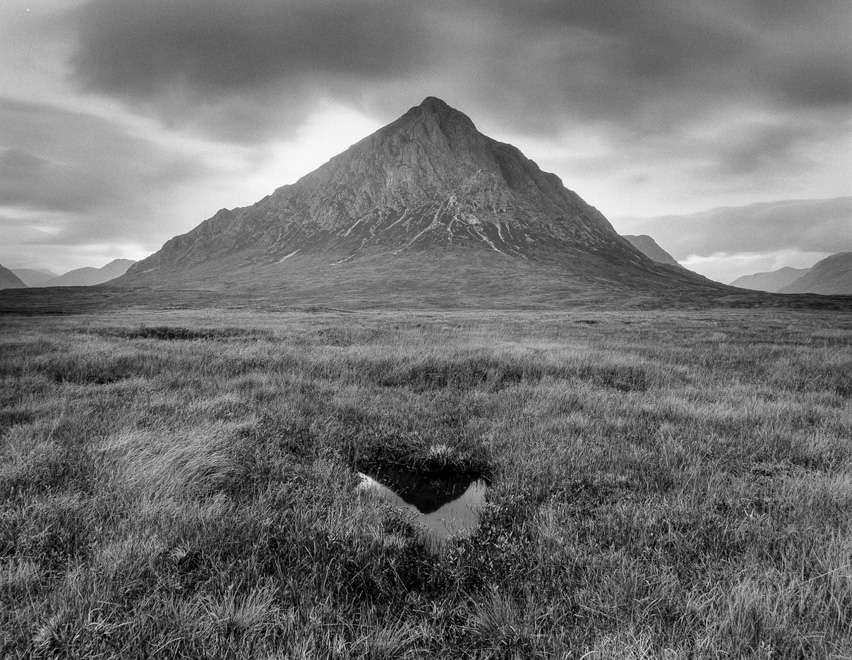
point(766, 147)
point(249, 69)
point(653, 67)
point(242, 69)
point(818, 226)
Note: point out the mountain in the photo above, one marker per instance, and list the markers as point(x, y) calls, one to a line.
point(89, 276)
point(33, 276)
point(426, 210)
point(649, 247)
point(772, 281)
point(831, 276)
point(8, 280)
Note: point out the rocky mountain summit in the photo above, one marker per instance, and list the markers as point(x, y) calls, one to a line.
point(427, 184)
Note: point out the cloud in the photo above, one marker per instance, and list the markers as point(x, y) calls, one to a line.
point(242, 70)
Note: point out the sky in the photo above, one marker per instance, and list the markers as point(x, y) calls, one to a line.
point(722, 128)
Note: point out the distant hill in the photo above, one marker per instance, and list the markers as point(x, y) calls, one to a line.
point(831, 276)
point(34, 276)
point(772, 281)
point(649, 247)
point(89, 276)
point(8, 280)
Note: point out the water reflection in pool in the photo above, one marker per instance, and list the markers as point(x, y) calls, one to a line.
point(446, 507)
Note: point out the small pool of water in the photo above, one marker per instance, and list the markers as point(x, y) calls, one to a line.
point(445, 507)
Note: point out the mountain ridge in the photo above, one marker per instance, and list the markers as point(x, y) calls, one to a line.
point(89, 275)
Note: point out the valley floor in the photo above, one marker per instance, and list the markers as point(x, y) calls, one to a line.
point(662, 484)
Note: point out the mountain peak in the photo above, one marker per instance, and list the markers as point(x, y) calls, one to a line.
point(436, 105)
point(438, 114)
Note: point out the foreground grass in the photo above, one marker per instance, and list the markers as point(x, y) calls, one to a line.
point(663, 485)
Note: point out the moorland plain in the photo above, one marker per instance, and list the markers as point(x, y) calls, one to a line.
point(662, 484)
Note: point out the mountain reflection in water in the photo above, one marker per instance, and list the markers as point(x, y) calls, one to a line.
point(445, 506)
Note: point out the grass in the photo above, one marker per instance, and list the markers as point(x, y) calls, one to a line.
point(184, 484)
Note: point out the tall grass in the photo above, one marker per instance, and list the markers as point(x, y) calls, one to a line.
point(672, 485)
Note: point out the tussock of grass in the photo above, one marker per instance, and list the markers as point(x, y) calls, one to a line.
point(661, 485)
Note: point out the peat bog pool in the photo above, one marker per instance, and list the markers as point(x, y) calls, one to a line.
point(445, 505)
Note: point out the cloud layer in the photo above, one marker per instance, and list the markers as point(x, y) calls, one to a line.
point(246, 70)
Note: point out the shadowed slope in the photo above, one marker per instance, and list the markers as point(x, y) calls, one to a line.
point(8, 279)
point(649, 247)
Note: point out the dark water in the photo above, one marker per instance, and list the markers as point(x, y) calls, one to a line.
point(445, 506)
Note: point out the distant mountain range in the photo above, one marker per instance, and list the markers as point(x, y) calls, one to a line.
point(425, 211)
point(34, 276)
point(8, 280)
point(772, 281)
point(87, 276)
point(831, 276)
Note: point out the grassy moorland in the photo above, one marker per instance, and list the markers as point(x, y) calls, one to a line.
point(668, 484)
